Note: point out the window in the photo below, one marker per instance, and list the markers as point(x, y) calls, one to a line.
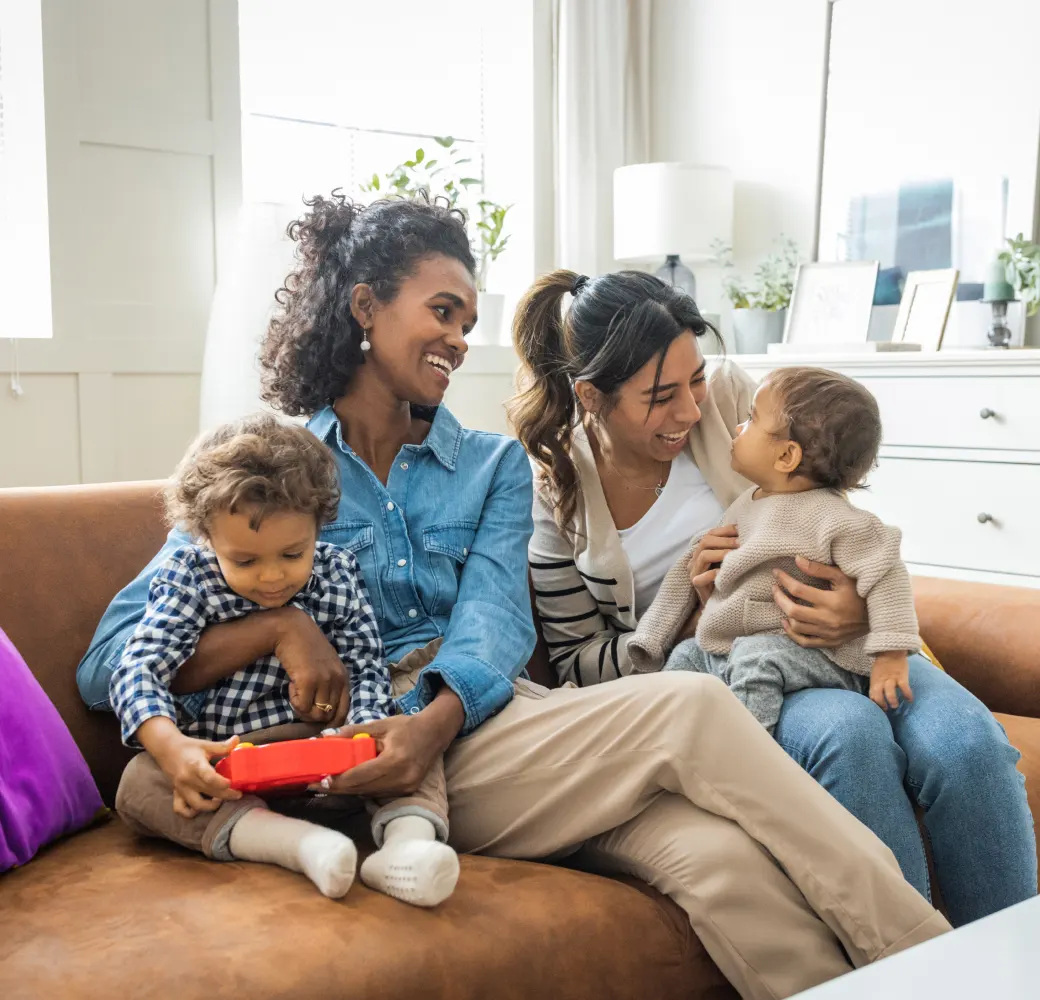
point(930, 152)
point(334, 92)
point(25, 275)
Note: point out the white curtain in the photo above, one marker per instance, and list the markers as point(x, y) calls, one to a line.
point(242, 304)
point(601, 97)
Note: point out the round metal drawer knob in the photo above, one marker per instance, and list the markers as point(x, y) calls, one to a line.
point(986, 413)
point(985, 518)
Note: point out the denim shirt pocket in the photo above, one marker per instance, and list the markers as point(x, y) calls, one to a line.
point(359, 537)
point(447, 547)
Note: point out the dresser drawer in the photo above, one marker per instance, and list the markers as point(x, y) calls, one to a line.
point(938, 506)
point(968, 412)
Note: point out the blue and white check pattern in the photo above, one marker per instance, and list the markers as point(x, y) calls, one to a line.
point(188, 593)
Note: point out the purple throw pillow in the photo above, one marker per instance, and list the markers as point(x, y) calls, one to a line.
point(45, 785)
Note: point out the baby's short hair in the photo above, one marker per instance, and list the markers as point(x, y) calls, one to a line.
point(834, 419)
point(258, 464)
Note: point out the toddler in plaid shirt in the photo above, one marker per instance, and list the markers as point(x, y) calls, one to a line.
point(255, 495)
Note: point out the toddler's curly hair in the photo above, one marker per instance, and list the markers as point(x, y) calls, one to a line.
point(258, 464)
point(834, 419)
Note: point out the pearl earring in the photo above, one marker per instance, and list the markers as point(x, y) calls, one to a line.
point(365, 345)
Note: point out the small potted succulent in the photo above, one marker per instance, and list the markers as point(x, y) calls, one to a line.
point(759, 306)
point(444, 175)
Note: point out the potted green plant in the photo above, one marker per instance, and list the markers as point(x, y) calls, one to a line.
point(759, 306)
point(1021, 260)
point(444, 175)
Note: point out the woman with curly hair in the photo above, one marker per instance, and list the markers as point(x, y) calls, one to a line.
point(664, 776)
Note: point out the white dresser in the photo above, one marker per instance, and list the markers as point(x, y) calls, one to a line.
point(959, 470)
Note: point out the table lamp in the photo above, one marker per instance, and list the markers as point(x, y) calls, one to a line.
point(671, 210)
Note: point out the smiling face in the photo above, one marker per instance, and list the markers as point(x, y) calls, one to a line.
point(655, 423)
point(270, 565)
point(418, 338)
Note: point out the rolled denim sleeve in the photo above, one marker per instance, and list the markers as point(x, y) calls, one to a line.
point(117, 626)
point(490, 634)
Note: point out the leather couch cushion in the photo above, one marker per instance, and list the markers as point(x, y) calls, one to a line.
point(106, 915)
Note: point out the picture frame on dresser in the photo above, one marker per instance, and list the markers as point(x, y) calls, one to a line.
point(925, 307)
point(831, 303)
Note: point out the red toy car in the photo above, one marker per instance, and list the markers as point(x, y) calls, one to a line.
point(294, 763)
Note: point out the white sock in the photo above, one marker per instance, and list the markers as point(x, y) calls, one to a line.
point(411, 865)
point(327, 858)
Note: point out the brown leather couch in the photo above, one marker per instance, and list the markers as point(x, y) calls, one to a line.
point(101, 914)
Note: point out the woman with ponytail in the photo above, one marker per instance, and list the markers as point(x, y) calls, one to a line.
point(664, 777)
point(631, 436)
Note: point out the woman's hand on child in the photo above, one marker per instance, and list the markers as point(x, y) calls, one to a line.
point(889, 677)
point(704, 563)
point(317, 676)
point(828, 618)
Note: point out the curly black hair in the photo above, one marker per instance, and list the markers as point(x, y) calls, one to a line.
point(313, 343)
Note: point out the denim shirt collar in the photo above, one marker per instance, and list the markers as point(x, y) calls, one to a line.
point(444, 439)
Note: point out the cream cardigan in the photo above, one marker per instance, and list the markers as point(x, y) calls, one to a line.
point(583, 583)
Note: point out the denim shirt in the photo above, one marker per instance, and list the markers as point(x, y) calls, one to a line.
point(443, 551)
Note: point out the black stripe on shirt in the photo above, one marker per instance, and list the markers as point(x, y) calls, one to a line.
point(561, 564)
point(613, 652)
point(602, 657)
point(598, 579)
point(623, 608)
point(560, 593)
point(568, 642)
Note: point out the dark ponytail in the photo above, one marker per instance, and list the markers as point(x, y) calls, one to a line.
point(544, 411)
point(313, 344)
point(616, 324)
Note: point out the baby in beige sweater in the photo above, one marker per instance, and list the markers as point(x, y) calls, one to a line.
point(812, 436)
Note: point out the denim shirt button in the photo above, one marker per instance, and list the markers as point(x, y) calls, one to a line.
point(412, 613)
point(465, 552)
point(404, 465)
point(402, 562)
point(390, 505)
point(414, 710)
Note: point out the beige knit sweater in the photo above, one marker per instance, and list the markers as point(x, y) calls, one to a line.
point(818, 524)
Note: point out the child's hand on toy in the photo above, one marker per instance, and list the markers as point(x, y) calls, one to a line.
point(186, 762)
point(704, 564)
point(889, 676)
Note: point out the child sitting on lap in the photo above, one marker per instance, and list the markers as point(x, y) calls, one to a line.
point(812, 436)
point(254, 494)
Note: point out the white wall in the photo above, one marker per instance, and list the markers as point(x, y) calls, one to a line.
point(739, 83)
point(143, 181)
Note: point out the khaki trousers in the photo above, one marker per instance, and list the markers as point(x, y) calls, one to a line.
point(669, 778)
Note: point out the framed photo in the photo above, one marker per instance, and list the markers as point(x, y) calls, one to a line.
point(925, 307)
point(831, 303)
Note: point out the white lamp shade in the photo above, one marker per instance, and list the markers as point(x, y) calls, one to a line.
point(671, 208)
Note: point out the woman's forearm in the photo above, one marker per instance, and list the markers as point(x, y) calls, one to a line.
point(226, 648)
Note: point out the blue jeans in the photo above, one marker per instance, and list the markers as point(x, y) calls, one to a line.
point(943, 752)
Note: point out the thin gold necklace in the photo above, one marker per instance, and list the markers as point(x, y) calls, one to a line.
point(658, 489)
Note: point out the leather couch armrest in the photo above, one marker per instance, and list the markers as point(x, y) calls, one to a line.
point(987, 637)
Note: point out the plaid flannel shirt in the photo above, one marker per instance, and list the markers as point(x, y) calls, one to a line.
point(188, 593)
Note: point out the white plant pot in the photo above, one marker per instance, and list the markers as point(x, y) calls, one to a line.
point(755, 329)
point(489, 320)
